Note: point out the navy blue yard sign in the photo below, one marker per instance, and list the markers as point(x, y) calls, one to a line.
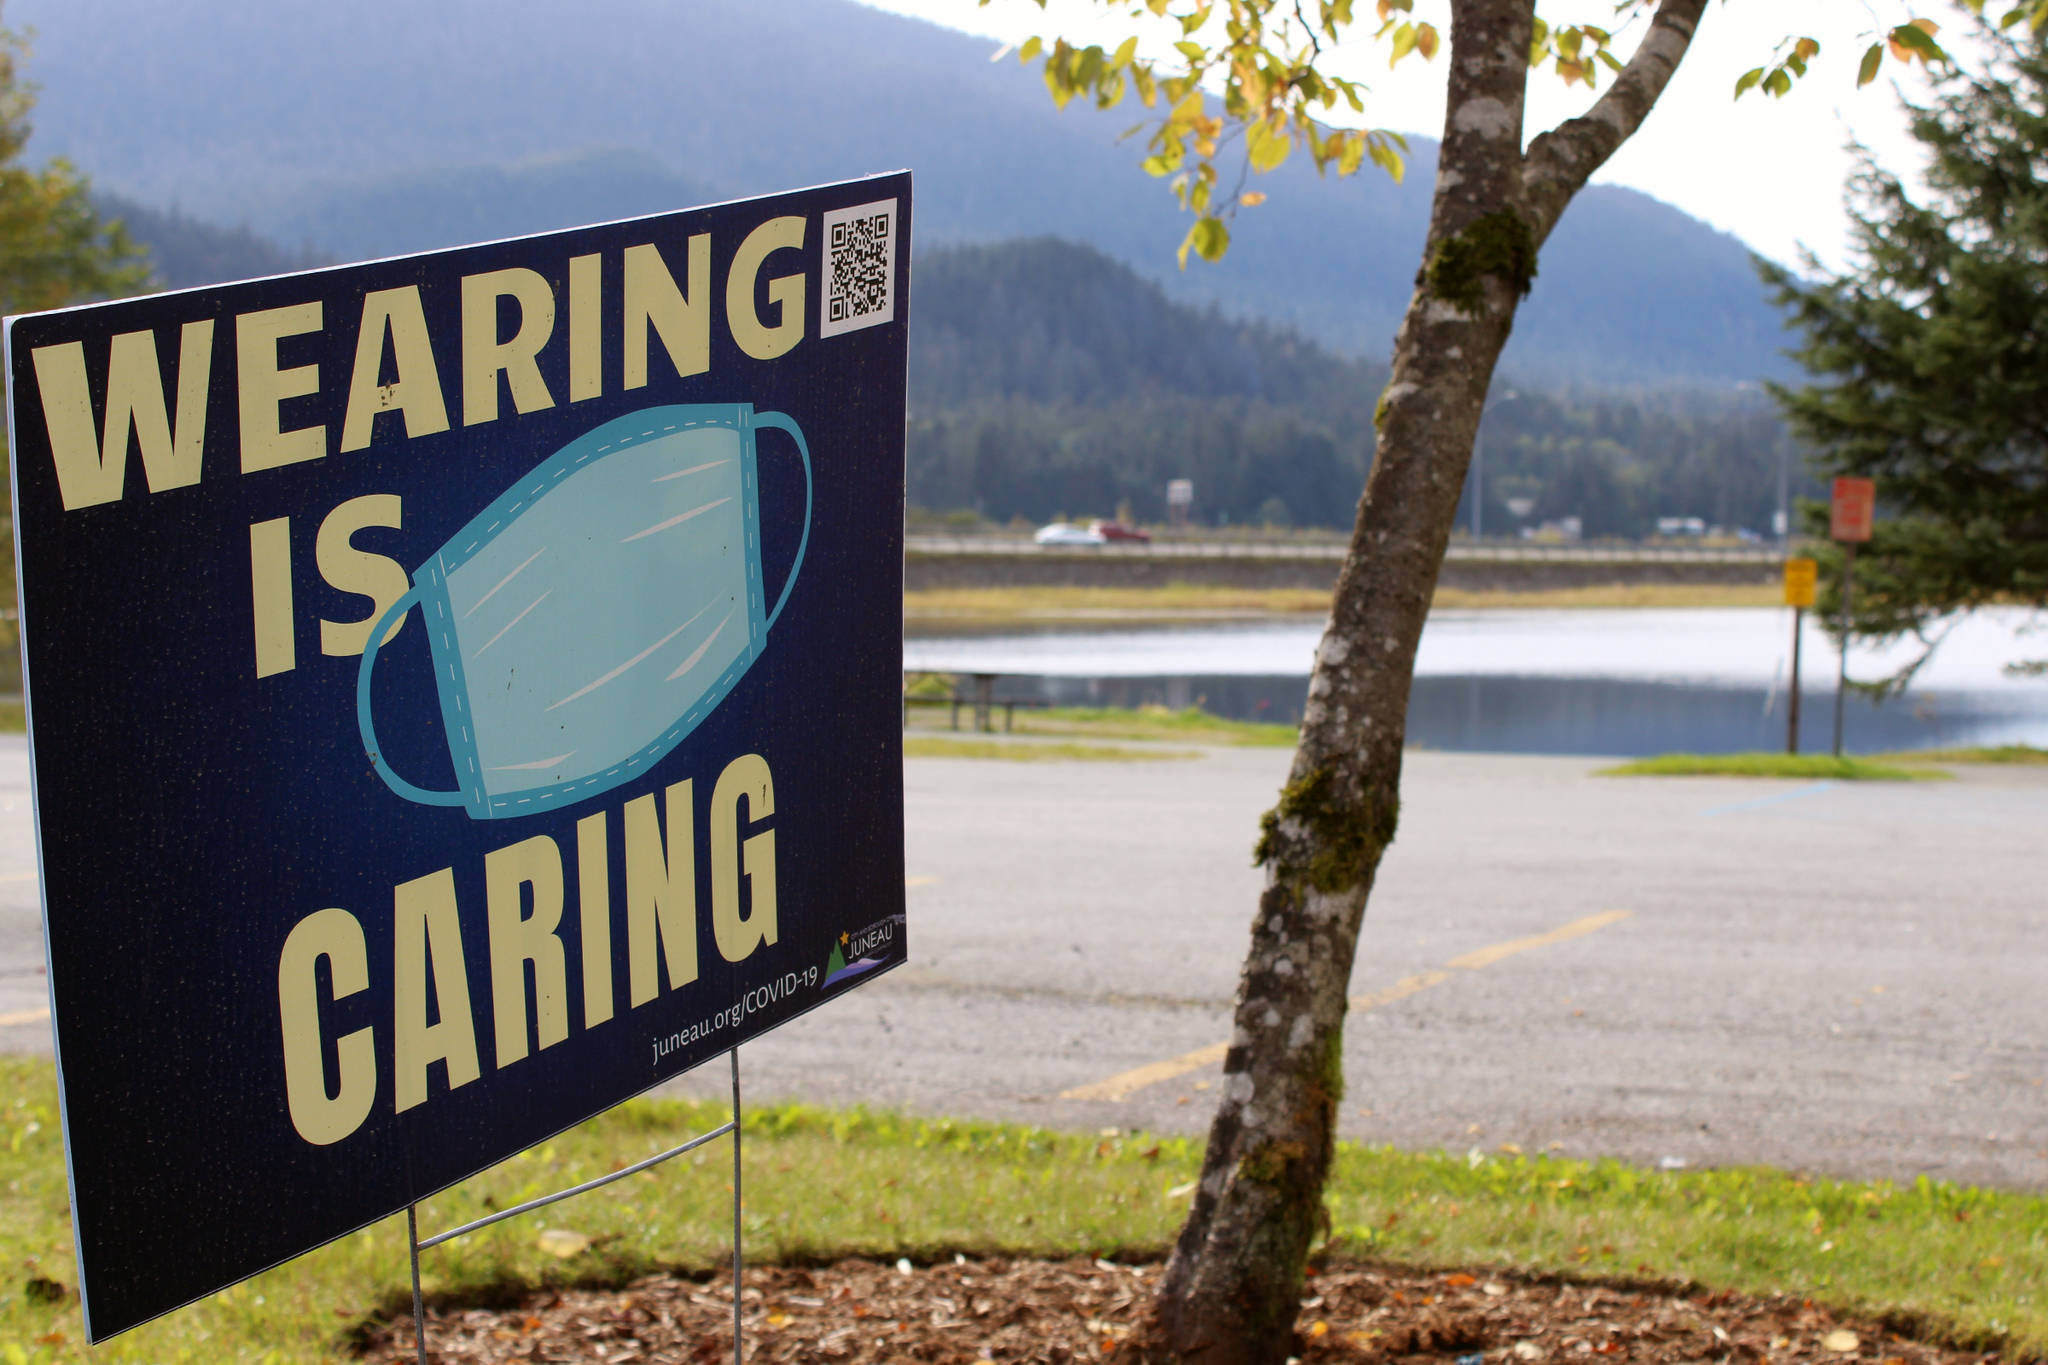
point(463, 692)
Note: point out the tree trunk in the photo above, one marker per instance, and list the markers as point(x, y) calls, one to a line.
point(1232, 1288)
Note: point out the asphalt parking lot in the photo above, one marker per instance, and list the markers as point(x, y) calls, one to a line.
point(1843, 978)
point(1834, 977)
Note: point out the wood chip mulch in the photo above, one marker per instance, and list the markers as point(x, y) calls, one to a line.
point(1052, 1313)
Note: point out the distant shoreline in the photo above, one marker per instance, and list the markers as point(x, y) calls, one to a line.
point(945, 611)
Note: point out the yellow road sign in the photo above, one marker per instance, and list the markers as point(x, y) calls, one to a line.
point(1800, 577)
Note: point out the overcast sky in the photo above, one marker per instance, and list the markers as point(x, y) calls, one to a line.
point(1769, 171)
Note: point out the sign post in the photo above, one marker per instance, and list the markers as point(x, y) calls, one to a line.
point(1801, 577)
point(463, 693)
point(1850, 512)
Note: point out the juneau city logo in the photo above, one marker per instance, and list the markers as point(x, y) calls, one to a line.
point(860, 951)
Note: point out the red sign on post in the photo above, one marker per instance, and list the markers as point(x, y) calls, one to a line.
point(1854, 504)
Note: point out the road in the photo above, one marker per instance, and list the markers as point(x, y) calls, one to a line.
point(1842, 978)
point(1334, 548)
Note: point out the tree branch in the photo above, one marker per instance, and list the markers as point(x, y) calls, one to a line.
point(1560, 161)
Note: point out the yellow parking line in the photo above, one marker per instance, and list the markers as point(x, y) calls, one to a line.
point(1578, 928)
point(1128, 1083)
point(23, 1017)
point(1400, 990)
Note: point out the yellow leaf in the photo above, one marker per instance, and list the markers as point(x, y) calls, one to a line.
point(1211, 238)
point(1318, 1329)
point(1353, 155)
point(1426, 40)
point(1252, 198)
point(1265, 145)
point(1842, 1341)
point(561, 1243)
point(1404, 43)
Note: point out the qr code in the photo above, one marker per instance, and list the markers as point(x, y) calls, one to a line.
point(860, 268)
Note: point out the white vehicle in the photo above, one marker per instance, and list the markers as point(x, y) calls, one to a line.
point(1060, 533)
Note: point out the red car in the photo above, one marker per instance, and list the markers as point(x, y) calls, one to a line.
point(1116, 530)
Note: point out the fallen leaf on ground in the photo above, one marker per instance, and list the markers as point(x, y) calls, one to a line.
point(562, 1243)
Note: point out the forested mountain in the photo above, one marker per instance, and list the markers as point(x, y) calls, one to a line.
point(386, 125)
point(186, 251)
point(1049, 379)
point(1053, 321)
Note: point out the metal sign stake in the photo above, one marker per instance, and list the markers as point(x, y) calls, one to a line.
point(419, 1308)
point(732, 1125)
point(1792, 720)
point(1852, 508)
point(1842, 665)
point(736, 1262)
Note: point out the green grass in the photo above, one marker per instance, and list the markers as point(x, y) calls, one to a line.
point(1958, 1262)
point(1033, 751)
point(1845, 769)
point(2020, 754)
point(1969, 1263)
point(1189, 725)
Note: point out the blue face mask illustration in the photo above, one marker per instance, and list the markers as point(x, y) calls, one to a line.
point(592, 616)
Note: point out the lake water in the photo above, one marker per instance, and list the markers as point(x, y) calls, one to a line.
point(1617, 682)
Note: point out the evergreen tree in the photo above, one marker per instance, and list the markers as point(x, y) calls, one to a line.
point(55, 248)
point(1931, 356)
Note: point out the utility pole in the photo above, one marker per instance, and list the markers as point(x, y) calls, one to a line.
point(1479, 462)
